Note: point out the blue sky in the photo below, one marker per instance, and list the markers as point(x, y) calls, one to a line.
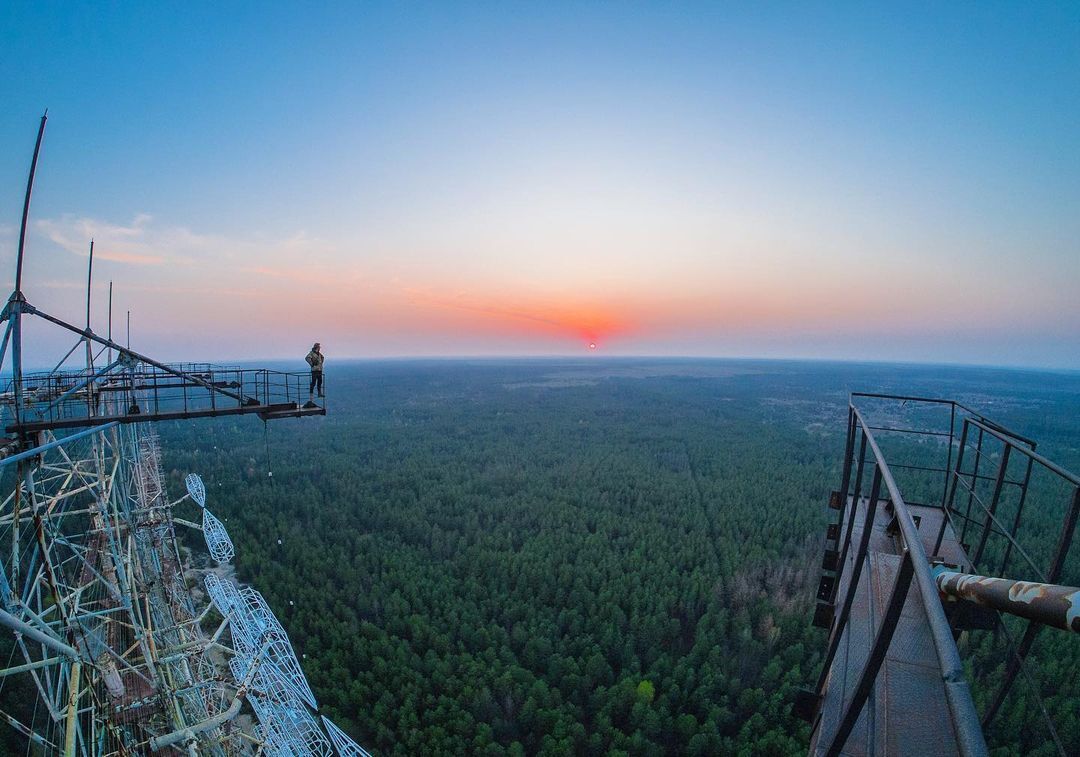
point(896, 182)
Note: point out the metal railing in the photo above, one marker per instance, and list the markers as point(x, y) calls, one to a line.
point(979, 465)
point(914, 565)
point(136, 390)
point(991, 525)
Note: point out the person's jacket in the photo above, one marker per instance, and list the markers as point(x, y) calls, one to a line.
point(315, 360)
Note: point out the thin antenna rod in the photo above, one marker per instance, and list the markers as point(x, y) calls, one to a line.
point(17, 299)
point(110, 322)
point(89, 280)
point(129, 330)
point(89, 344)
point(26, 205)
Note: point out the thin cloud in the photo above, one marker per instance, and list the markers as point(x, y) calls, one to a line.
point(145, 242)
point(133, 243)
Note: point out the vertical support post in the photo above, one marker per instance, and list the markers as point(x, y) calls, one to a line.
point(959, 465)
point(1068, 528)
point(856, 493)
point(999, 482)
point(948, 461)
point(856, 573)
point(849, 449)
point(4, 344)
point(974, 486)
point(1019, 512)
point(16, 350)
point(72, 710)
point(953, 475)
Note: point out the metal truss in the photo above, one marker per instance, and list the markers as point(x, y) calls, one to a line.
point(95, 588)
point(345, 746)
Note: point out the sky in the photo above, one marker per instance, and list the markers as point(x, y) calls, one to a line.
point(865, 181)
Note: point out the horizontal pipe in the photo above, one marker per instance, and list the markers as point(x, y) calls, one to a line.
point(30, 666)
point(53, 444)
point(188, 734)
point(20, 626)
point(1049, 604)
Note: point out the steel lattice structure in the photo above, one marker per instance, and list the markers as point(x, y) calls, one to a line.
point(110, 622)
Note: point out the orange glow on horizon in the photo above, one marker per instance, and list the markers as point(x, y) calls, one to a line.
point(391, 311)
point(526, 316)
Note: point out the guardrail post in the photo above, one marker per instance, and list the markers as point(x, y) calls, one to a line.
point(974, 485)
point(856, 573)
point(999, 482)
point(856, 493)
point(1019, 511)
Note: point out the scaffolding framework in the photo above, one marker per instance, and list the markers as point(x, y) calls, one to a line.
point(109, 622)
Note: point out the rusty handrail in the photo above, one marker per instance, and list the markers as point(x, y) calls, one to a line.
point(957, 692)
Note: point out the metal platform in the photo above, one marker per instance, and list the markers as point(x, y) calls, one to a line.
point(898, 586)
point(132, 390)
point(905, 704)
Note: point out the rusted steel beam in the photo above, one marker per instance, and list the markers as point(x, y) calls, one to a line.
point(1049, 604)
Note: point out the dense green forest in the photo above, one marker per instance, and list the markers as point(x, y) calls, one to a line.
point(546, 558)
point(593, 557)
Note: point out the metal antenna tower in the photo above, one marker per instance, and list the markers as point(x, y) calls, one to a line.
point(130, 650)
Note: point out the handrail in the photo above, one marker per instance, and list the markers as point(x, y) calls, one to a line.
point(968, 730)
point(953, 403)
point(1050, 465)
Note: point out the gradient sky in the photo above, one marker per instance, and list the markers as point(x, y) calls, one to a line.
point(888, 183)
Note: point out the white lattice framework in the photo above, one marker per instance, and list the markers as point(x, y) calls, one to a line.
point(344, 745)
point(218, 542)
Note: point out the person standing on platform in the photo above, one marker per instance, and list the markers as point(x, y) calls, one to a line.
point(315, 360)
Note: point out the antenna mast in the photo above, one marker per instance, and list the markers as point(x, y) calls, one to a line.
point(89, 280)
point(14, 307)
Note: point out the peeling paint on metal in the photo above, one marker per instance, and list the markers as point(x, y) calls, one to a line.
point(1072, 615)
point(1025, 592)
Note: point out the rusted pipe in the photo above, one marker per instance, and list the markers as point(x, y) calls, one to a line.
point(1049, 604)
point(189, 734)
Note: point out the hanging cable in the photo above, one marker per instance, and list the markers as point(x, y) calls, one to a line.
point(266, 441)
